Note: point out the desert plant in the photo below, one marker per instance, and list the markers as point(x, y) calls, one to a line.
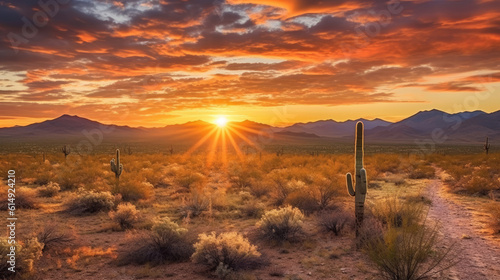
point(304, 201)
point(87, 202)
point(116, 166)
point(409, 252)
point(166, 242)
point(486, 146)
point(393, 212)
point(52, 236)
point(493, 208)
point(188, 179)
point(24, 199)
point(26, 254)
point(281, 224)
point(361, 181)
point(133, 189)
point(230, 249)
point(125, 215)
point(334, 221)
point(66, 150)
point(49, 190)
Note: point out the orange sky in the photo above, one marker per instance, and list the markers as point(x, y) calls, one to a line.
point(158, 62)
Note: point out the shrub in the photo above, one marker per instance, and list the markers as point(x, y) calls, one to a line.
point(230, 249)
point(422, 171)
point(334, 221)
point(325, 190)
point(166, 242)
point(187, 179)
point(49, 190)
point(87, 202)
point(303, 200)
point(125, 215)
point(196, 204)
point(409, 252)
point(393, 212)
point(253, 209)
point(24, 199)
point(26, 256)
point(132, 189)
point(281, 224)
point(53, 237)
point(494, 209)
point(259, 188)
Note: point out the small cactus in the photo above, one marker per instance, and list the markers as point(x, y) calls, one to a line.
point(116, 166)
point(66, 150)
point(171, 150)
point(361, 182)
point(280, 152)
point(487, 146)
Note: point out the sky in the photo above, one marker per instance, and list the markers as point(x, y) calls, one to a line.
point(157, 62)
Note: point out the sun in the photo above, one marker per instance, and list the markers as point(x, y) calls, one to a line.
point(221, 122)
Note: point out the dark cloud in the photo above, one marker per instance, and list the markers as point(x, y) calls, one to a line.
point(165, 55)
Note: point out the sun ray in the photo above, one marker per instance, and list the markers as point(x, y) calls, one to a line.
point(200, 142)
point(233, 125)
point(235, 146)
point(213, 148)
point(244, 138)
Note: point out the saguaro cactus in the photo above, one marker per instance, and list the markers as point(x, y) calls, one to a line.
point(116, 166)
point(487, 146)
point(361, 183)
point(66, 150)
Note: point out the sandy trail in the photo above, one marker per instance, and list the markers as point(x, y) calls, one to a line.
point(480, 258)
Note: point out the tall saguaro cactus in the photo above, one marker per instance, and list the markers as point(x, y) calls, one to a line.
point(116, 166)
point(361, 182)
point(66, 151)
point(487, 146)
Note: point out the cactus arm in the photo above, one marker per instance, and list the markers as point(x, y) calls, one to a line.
point(364, 182)
point(350, 189)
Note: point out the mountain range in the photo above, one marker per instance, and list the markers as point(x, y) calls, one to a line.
point(433, 125)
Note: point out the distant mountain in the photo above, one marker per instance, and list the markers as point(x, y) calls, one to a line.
point(64, 126)
point(459, 127)
point(334, 129)
point(464, 127)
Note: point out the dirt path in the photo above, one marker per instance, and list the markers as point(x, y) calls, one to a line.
point(480, 258)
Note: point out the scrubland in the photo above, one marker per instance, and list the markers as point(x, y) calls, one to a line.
point(259, 216)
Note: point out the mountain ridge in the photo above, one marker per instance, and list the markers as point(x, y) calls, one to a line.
point(467, 126)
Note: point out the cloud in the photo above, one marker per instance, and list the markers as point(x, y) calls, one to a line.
point(169, 55)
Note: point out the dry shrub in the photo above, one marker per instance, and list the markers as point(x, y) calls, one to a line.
point(303, 201)
point(26, 255)
point(394, 212)
point(196, 203)
point(166, 242)
point(125, 215)
point(253, 209)
point(409, 252)
point(421, 171)
point(325, 190)
point(334, 221)
point(52, 236)
point(230, 249)
point(493, 208)
point(88, 202)
point(188, 178)
point(133, 189)
point(24, 198)
point(44, 174)
point(282, 224)
point(260, 188)
point(49, 190)
point(244, 176)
